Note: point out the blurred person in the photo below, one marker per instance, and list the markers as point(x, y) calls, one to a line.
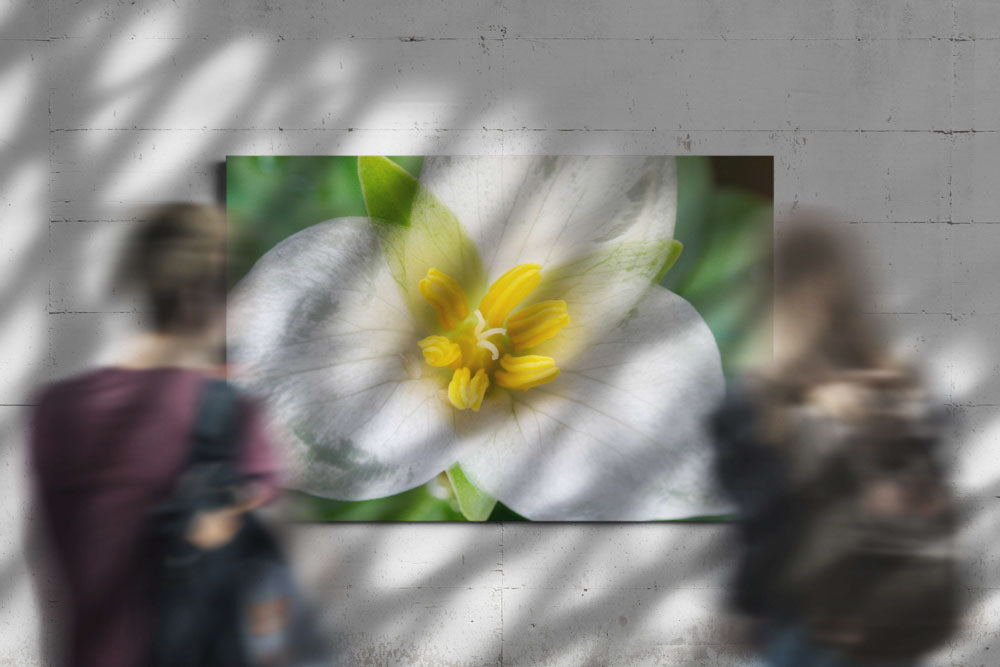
point(831, 456)
point(109, 446)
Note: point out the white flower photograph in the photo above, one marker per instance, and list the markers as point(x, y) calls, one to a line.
point(496, 338)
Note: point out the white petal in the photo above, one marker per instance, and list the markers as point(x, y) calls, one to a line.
point(549, 210)
point(600, 289)
point(620, 434)
point(320, 330)
point(429, 236)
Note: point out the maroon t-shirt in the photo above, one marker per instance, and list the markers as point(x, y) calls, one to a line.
point(106, 447)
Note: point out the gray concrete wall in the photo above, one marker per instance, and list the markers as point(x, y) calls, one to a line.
point(887, 111)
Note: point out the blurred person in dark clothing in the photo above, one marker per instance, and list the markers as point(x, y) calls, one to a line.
point(109, 445)
point(831, 455)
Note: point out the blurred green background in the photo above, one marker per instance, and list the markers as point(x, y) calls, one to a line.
point(724, 220)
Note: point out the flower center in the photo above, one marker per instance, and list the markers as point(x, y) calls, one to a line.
point(484, 348)
point(482, 335)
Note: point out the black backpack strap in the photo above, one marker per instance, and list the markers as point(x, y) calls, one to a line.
point(214, 433)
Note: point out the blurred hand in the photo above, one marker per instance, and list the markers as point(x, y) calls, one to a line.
point(842, 399)
point(213, 529)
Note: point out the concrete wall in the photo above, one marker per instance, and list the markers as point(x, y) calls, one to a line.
point(888, 111)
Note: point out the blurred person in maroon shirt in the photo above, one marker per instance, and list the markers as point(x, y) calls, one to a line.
point(109, 445)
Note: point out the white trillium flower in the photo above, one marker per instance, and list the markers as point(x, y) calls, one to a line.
point(500, 320)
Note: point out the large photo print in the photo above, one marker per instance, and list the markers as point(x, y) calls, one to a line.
point(497, 338)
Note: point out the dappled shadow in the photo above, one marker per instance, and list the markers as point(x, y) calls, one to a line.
point(153, 130)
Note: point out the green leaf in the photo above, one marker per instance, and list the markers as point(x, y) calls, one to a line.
point(725, 272)
point(673, 253)
point(418, 232)
point(388, 189)
point(475, 505)
point(417, 504)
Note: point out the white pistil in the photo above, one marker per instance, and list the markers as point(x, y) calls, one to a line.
point(483, 334)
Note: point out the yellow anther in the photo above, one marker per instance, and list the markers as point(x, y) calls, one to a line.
point(508, 291)
point(525, 372)
point(533, 325)
point(446, 297)
point(477, 389)
point(466, 391)
point(476, 349)
point(439, 351)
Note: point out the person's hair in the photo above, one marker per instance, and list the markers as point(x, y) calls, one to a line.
point(822, 338)
point(818, 300)
point(178, 260)
point(821, 332)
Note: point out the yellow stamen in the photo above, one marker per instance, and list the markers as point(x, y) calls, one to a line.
point(446, 297)
point(475, 349)
point(439, 351)
point(533, 325)
point(525, 372)
point(508, 291)
point(465, 393)
point(477, 389)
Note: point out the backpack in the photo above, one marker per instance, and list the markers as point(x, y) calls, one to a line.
point(871, 568)
point(236, 605)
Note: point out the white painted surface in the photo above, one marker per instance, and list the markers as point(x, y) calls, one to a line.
point(888, 112)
